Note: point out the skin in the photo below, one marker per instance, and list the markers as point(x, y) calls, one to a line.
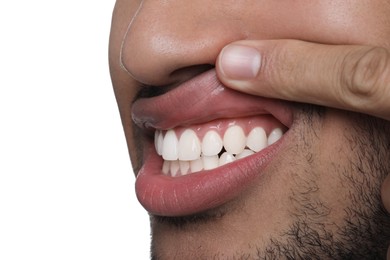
point(321, 198)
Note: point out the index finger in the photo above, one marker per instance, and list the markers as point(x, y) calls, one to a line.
point(350, 77)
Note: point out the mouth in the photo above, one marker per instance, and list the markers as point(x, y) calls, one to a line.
point(210, 143)
point(187, 150)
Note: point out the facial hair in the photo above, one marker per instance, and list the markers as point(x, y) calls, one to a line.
point(365, 229)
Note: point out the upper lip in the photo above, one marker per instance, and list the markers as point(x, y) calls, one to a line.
point(199, 100)
point(203, 99)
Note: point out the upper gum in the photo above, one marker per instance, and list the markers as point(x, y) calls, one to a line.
point(267, 122)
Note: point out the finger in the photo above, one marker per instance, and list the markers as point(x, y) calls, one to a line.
point(386, 193)
point(349, 77)
point(388, 254)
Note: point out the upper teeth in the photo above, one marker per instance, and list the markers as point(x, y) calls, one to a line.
point(191, 153)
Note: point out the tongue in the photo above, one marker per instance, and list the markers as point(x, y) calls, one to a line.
point(201, 100)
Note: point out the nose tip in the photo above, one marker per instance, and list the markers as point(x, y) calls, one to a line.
point(155, 57)
point(167, 41)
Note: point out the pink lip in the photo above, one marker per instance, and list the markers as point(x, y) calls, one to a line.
point(204, 99)
point(201, 99)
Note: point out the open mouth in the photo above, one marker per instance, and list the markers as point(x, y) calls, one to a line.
point(217, 143)
point(210, 143)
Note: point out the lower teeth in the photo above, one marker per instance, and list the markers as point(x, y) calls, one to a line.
point(179, 168)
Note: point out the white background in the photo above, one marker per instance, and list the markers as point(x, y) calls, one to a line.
point(66, 184)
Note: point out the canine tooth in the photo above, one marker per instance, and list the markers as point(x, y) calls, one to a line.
point(155, 140)
point(158, 141)
point(244, 154)
point(275, 135)
point(234, 140)
point(211, 143)
point(175, 168)
point(210, 162)
point(196, 165)
point(189, 146)
point(257, 139)
point(226, 158)
point(166, 167)
point(170, 146)
point(184, 167)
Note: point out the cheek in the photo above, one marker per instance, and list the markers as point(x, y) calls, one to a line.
point(125, 87)
point(333, 22)
point(355, 22)
point(125, 91)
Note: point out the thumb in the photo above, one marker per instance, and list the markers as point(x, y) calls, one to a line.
point(349, 77)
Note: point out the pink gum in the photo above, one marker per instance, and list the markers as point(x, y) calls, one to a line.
point(267, 122)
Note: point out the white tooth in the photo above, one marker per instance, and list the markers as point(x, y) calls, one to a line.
point(275, 135)
point(211, 143)
point(210, 162)
point(234, 140)
point(159, 142)
point(155, 140)
point(170, 146)
point(257, 139)
point(196, 165)
point(166, 167)
point(226, 158)
point(244, 154)
point(184, 167)
point(175, 168)
point(189, 146)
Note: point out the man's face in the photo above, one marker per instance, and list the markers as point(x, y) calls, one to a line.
point(311, 193)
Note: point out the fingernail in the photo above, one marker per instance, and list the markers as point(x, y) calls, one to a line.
point(240, 62)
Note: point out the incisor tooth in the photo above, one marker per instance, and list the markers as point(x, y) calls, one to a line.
point(175, 168)
point(189, 146)
point(196, 165)
point(166, 167)
point(210, 162)
point(257, 139)
point(244, 154)
point(170, 146)
point(275, 135)
point(184, 167)
point(211, 143)
point(234, 140)
point(226, 158)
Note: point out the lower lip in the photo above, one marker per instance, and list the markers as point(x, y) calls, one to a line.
point(185, 195)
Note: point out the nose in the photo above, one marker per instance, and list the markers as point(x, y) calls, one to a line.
point(170, 41)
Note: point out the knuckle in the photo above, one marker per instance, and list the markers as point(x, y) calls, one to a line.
point(365, 74)
point(283, 70)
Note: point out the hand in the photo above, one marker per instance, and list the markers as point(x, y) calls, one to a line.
point(355, 78)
